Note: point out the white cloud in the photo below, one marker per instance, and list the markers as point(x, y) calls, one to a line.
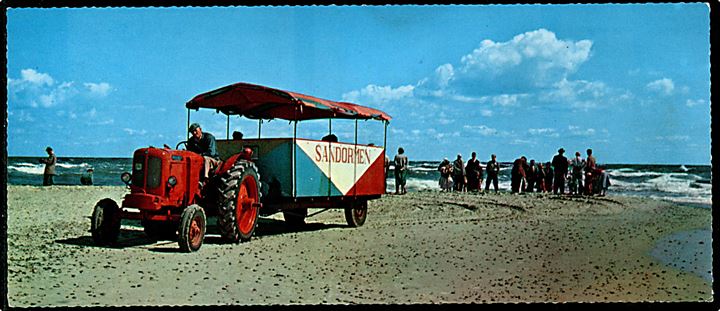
point(57, 95)
point(133, 132)
point(444, 121)
point(518, 141)
point(663, 86)
point(374, 95)
point(507, 99)
point(544, 132)
point(22, 116)
point(98, 89)
point(578, 94)
point(103, 122)
point(577, 131)
point(34, 77)
point(484, 130)
point(538, 54)
point(486, 113)
point(37, 89)
point(439, 136)
point(693, 103)
point(531, 65)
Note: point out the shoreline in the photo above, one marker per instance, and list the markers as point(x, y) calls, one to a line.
point(414, 248)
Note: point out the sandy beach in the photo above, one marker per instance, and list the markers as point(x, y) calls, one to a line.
point(423, 247)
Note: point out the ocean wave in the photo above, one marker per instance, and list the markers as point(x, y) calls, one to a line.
point(39, 169)
point(417, 184)
point(624, 169)
point(69, 165)
point(675, 185)
point(423, 169)
point(618, 173)
point(684, 199)
point(27, 169)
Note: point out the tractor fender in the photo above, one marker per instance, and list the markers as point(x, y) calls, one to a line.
point(245, 155)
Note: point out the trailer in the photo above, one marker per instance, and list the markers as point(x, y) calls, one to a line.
point(298, 173)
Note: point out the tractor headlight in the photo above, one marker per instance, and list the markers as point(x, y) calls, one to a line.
point(125, 177)
point(172, 181)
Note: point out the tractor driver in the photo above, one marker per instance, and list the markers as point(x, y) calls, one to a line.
point(203, 144)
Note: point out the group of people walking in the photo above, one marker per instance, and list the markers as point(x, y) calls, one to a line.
point(583, 176)
point(458, 176)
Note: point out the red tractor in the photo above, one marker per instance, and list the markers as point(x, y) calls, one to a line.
point(166, 194)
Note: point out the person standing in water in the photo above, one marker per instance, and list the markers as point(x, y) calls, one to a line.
point(401, 171)
point(473, 170)
point(590, 173)
point(459, 173)
point(493, 169)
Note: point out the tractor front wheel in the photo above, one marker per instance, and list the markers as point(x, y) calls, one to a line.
point(239, 201)
point(105, 226)
point(356, 214)
point(191, 232)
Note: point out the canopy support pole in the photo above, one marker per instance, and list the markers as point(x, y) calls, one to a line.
point(329, 162)
point(227, 129)
point(294, 163)
point(259, 127)
point(188, 125)
point(355, 160)
point(385, 136)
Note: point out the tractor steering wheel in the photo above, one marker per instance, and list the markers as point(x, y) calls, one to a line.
point(184, 142)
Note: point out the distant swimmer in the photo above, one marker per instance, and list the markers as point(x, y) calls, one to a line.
point(50, 162)
point(87, 178)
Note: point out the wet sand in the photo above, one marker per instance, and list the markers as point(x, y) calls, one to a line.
point(426, 247)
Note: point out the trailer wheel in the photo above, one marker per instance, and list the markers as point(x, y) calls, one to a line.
point(238, 202)
point(159, 229)
point(192, 228)
point(356, 214)
point(105, 226)
point(295, 217)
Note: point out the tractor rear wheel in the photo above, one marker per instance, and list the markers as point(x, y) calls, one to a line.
point(105, 226)
point(192, 228)
point(295, 217)
point(356, 214)
point(239, 201)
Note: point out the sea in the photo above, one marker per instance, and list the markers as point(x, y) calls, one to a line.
point(677, 183)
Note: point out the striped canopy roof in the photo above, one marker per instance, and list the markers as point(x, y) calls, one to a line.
point(260, 102)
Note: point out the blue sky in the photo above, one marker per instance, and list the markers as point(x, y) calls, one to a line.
point(630, 81)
